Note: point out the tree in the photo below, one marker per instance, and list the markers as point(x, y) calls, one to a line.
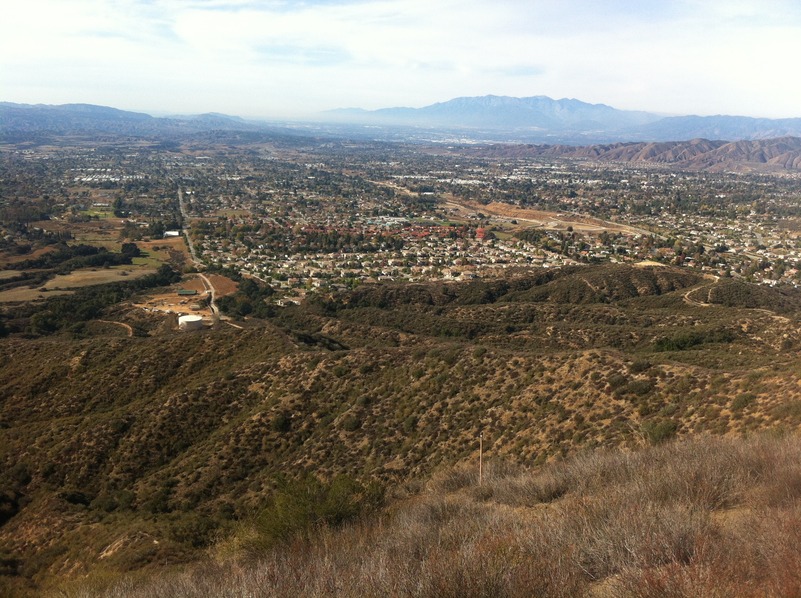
point(130, 250)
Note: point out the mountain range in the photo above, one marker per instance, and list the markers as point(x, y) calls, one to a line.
point(537, 119)
point(540, 118)
point(20, 120)
point(536, 113)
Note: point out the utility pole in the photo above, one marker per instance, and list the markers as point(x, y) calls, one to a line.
point(480, 457)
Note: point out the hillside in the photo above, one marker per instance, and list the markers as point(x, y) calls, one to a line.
point(769, 155)
point(703, 517)
point(128, 453)
point(23, 122)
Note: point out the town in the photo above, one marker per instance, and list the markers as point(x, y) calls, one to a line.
point(309, 218)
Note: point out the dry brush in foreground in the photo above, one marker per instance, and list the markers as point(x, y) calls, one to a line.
point(701, 517)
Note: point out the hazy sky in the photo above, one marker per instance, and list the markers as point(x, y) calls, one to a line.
point(274, 58)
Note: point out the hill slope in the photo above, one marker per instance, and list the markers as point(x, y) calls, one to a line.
point(704, 517)
point(20, 120)
point(699, 154)
point(128, 452)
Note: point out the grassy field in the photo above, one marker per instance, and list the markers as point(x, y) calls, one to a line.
point(26, 294)
point(6, 259)
point(84, 278)
point(8, 274)
point(223, 286)
point(98, 213)
point(105, 234)
point(63, 283)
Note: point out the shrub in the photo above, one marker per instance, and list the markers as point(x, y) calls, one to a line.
point(616, 381)
point(660, 431)
point(351, 423)
point(639, 366)
point(638, 387)
point(742, 401)
point(282, 422)
point(298, 507)
point(193, 529)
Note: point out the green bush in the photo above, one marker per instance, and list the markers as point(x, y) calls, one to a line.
point(639, 387)
point(639, 365)
point(742, 401)
point(193, 529)
point(660, 430)
point(282, 422)
point(351, 423)
point(692, 338)
point(299, 507)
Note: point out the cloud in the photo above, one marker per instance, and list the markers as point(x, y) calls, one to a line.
point(520, 70)
point(304, 55)
point(278, 57)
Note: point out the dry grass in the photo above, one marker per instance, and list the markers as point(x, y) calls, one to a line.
point(704, 517)
point(222, 284)
point(83, 278)
point(65, 283)
point(5, 258)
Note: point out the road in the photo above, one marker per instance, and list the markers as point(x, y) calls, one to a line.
point(215, 312)
point(185, 228)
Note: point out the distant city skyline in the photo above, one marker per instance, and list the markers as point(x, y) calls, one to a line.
point(293, 59)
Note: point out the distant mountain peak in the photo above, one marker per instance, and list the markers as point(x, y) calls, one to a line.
point(540, 118)
point(507, 112)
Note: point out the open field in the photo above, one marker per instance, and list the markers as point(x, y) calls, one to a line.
point(171, 302)
point(63, 283)
point(85, 278)
point(27, 294)
point(4, 274)
point(6, 259)
point(194, 284)
point(171, 251)
point(80, 278)
point(160, 247)
point(546, 220)
point(104, 232)
point(222, 285)
point(99, 213)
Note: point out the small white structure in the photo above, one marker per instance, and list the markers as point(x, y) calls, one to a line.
point(190, 322)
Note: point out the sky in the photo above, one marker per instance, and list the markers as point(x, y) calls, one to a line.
point(278, 59)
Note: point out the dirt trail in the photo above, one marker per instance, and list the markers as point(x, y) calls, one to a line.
point(127, 327)
point(695, 303)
